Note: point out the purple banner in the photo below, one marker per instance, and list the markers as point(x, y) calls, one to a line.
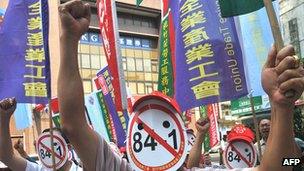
point(209, 60)
point(24, 53)
point(119, 119)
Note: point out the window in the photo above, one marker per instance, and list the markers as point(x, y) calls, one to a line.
point(95, 49)
point(85, 48)
point(133, 88)
point(149, 88)
point(87, 86)
point(140, 88)
point(154, 64)
point(294, 35)
point(139, 64)
point(95, 61)
point(124, 63)
point(147, 65)
point(131, 64)
point(85, 61)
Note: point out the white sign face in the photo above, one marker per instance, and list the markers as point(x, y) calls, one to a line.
point(240, 154)
point(44, 150)
point(156, 137)
point(191, 140)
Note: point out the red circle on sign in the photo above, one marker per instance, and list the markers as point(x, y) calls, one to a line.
point(60, 141)
point(178, 155)
point(242, 158)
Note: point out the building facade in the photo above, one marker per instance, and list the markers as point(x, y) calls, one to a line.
point(292, 20)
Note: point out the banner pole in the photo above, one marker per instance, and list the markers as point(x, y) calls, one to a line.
point(52, 136)
point(257, 132)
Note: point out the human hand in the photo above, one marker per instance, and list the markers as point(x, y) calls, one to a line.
point(7, 107)
point(18, 145)
point(75, 19)
point(282, 73)
point(202, 125)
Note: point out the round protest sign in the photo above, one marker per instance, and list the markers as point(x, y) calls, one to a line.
point(191, 139)
point(44, 150)
point(240, 154)
point(156, 137)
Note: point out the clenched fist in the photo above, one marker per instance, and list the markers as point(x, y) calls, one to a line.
point(75, 19)
point(7, 107)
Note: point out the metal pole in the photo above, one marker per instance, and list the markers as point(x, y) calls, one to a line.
point(257, 132)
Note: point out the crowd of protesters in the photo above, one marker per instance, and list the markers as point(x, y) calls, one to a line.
point(280, 74)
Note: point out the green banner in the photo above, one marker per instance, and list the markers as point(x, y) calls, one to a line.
point(242, 106)
point(231, 8)
point(203, 114)
point(165, 77)
point(106, 115)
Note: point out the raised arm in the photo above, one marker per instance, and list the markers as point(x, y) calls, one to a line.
point(202, 126)
point(75, 20)
point(7, 156)
point(280, 74)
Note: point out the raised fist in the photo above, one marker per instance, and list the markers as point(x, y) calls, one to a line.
point(75, 18)
point(7, 107)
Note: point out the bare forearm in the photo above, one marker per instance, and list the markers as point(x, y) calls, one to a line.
point(195, 152)
point(6, 150)
point(70, 90)
point(281, 140)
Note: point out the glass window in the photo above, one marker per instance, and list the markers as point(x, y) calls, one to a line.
point(146, 54)
point(149, 88)
point(155, 86)
point(154, 54)
point(132, 76)
point(95, 49)
point(124, 63)
point(155, 77)
point(95, 61)
point(139, 64)
point(131, 64)
point(123, 52)
point(138, 53)
point(130, 52)
point(148, 76)
point(85, 61)
point(85, 48)
point(87, 86)
point(133, 88)
point(86, 74)
point(147, 65)
point(103, 61)
point(141, 88)
point(140, 76)
point(154, 65)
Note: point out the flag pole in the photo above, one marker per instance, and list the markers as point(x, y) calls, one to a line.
point(52, 136)
point(257, 132)
point(275, 28)
point(276, 32)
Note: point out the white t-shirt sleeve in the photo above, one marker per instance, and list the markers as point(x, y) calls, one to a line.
point(30, 166)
